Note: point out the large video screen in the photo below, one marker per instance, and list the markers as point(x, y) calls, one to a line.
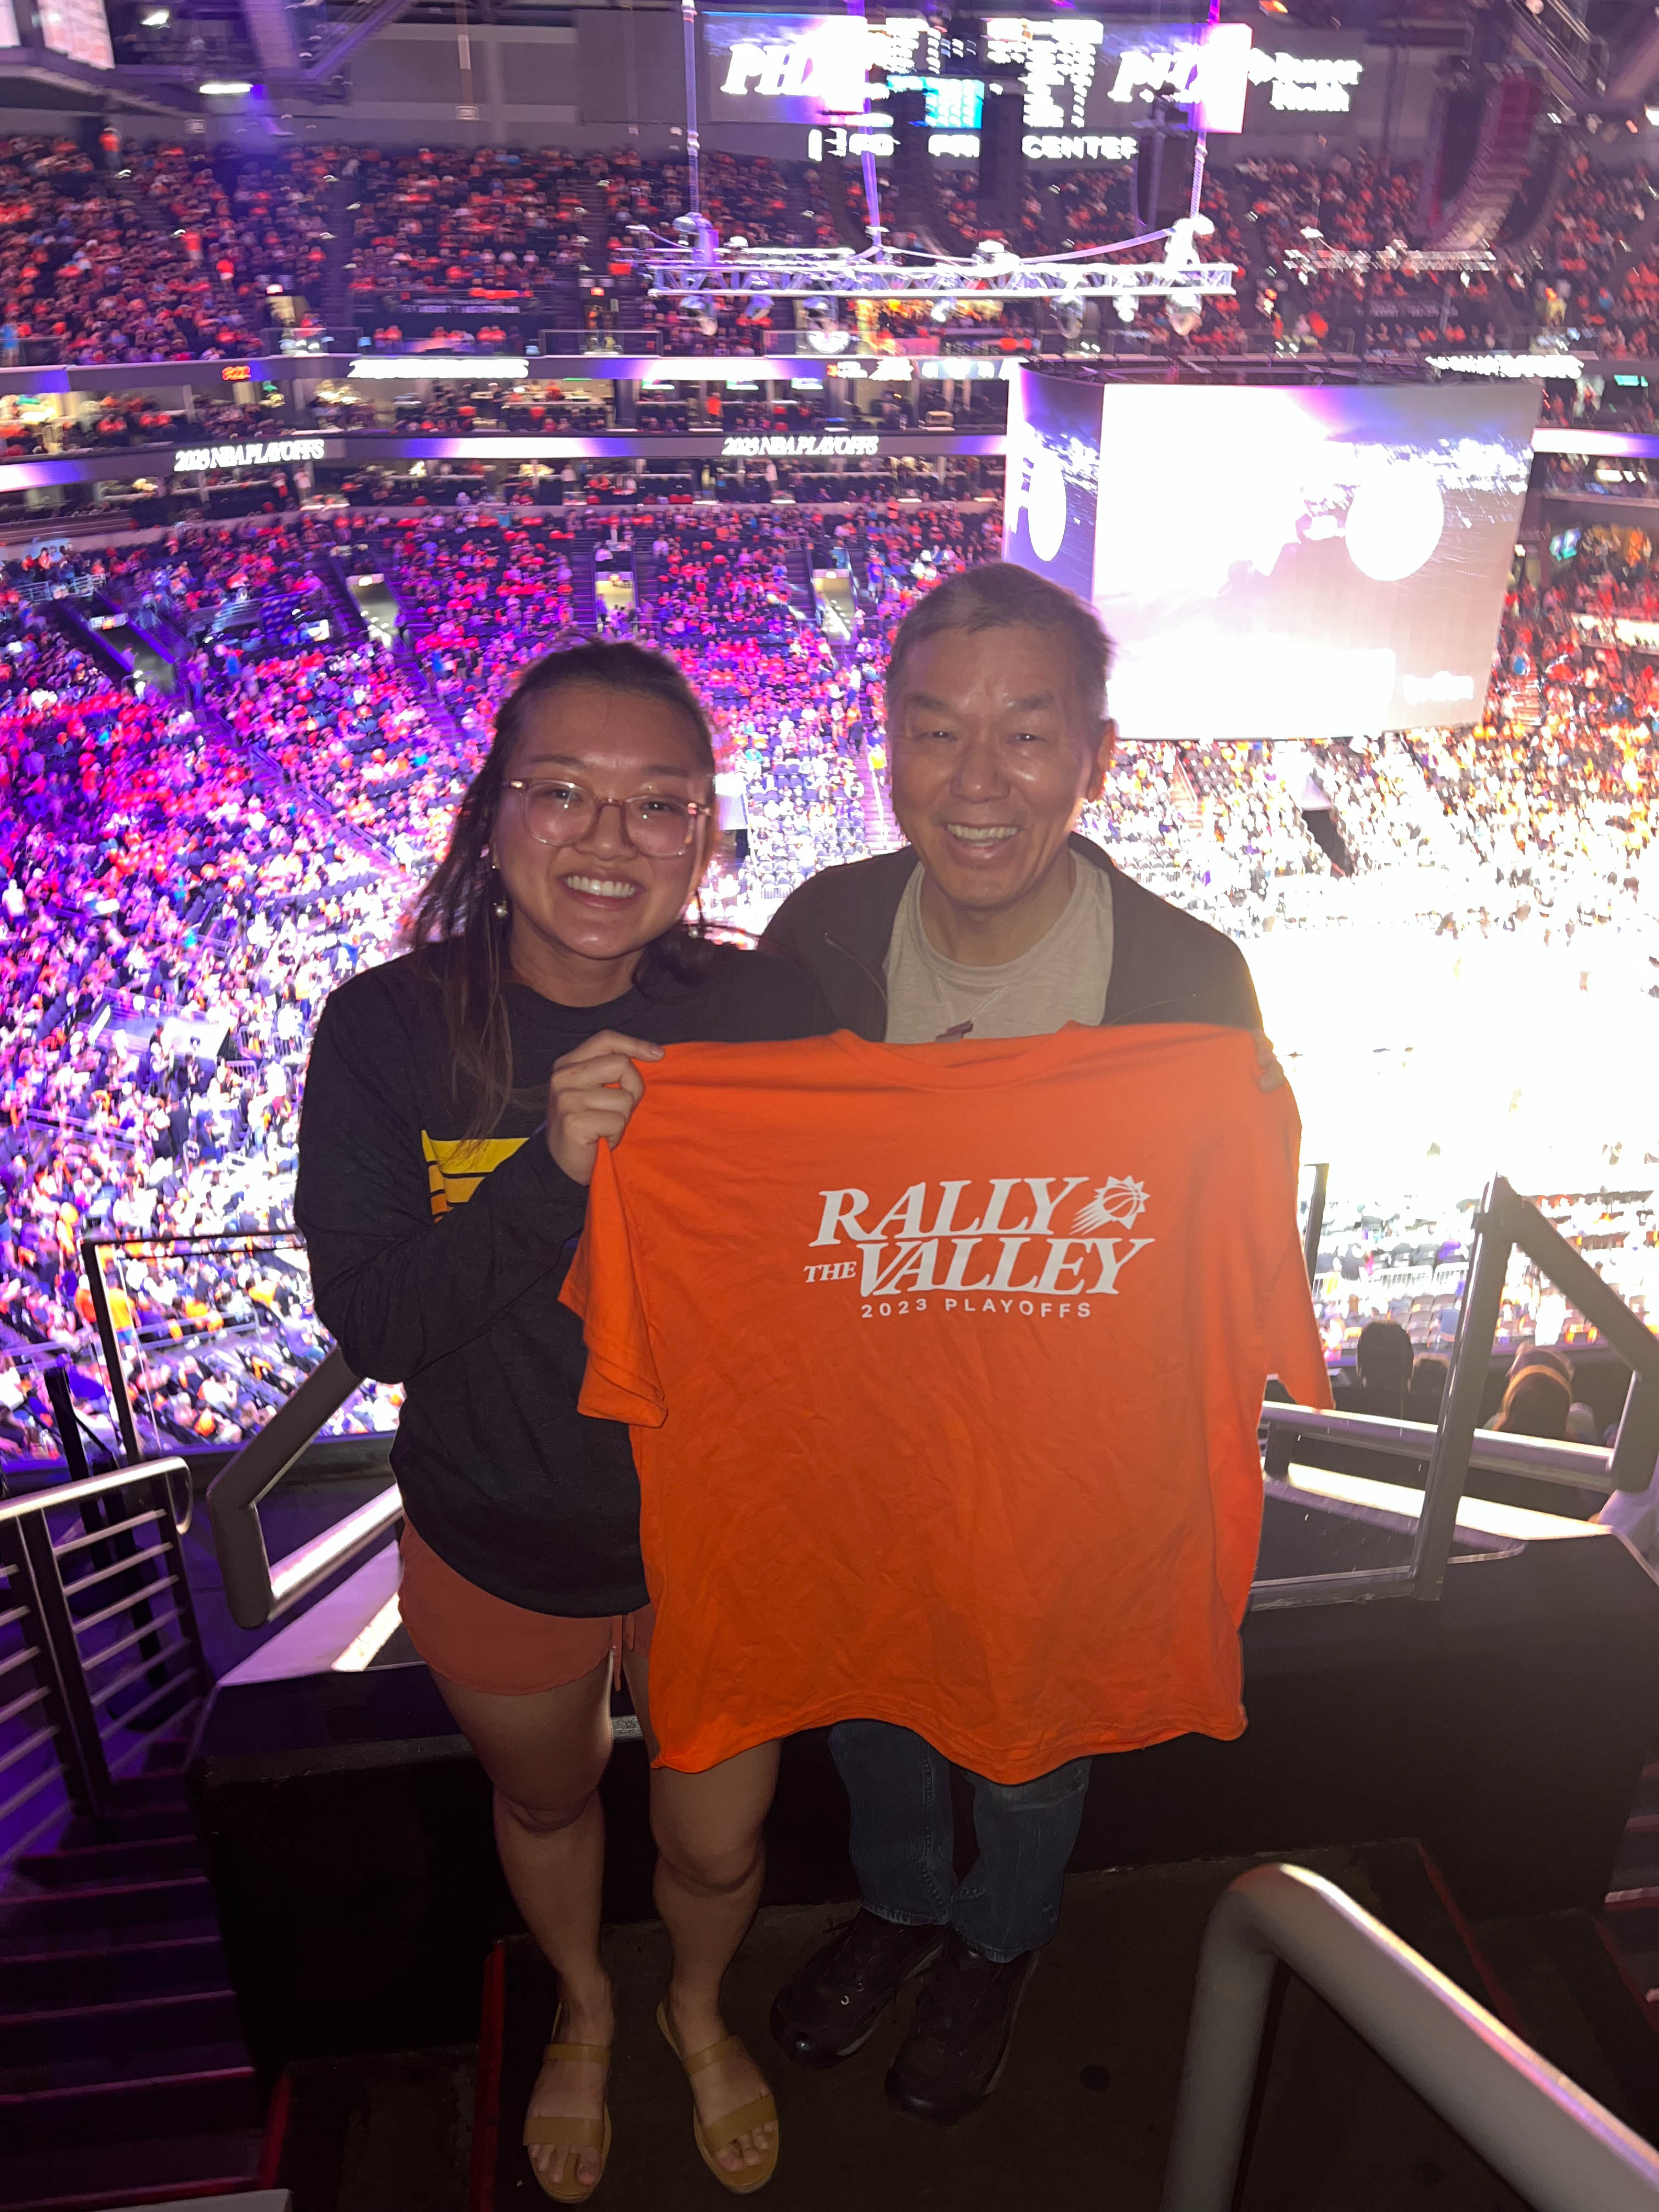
point(1276, 563)
point(1080, 73)
point(785, 69)
point(79, 29)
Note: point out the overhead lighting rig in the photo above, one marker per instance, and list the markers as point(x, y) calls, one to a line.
point(702, 270)
point(1406, 260)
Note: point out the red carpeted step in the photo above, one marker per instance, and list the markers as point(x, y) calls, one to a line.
point(77, 2035)
point(176, 2106)
point(85, 2177)
point(163, 1857)
point(107, 1907)
point(75, 1973)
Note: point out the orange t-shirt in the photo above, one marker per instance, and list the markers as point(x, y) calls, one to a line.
point(943, 1365)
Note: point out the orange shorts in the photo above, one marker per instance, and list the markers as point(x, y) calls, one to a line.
point(482, 1643)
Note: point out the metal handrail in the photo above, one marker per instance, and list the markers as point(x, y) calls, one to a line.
point(1541, 1459)
point(61, 1639)
point(1505, 1221)
point(100, 1486)
point(255, 1595)
point(234, 1493)
point(300, 1572)
point(1556, 2146)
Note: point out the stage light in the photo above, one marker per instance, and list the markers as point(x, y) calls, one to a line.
point(156, 19)
point(229, 86)
point(1125, 308)
point(1182, 310)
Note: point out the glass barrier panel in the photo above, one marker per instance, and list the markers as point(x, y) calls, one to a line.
point(213, 1333)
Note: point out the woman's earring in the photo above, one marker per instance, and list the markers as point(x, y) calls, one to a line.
point(498, 905)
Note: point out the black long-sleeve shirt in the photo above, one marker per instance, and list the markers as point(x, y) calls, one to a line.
point(438, 1264)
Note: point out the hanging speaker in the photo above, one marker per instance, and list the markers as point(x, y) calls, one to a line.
point(1002, 160)
point(1162, 175)
point(1480, 140)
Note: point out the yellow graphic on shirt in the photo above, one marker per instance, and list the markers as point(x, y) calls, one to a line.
point(455, 1166)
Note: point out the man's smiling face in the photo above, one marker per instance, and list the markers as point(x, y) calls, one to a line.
point(993, 754)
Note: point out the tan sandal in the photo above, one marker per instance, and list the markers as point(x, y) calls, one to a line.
point(713, 2138)
point(566, 2130)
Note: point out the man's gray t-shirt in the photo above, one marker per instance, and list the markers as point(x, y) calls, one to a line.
point(1062, 978)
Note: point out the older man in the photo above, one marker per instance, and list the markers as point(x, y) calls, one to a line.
point(998, 920)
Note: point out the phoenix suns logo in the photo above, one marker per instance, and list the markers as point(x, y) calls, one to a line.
point(1030, 1235)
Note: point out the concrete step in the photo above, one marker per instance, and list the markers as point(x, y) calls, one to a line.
point(1087, 2100)
point(1580, 2005)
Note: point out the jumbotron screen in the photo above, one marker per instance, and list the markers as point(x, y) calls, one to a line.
point(1279, 561)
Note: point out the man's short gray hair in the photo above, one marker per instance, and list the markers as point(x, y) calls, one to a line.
point(1000, 596)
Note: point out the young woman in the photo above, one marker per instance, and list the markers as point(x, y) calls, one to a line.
point(455, 1100)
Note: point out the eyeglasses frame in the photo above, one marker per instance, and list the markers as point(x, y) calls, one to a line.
point(696, 808)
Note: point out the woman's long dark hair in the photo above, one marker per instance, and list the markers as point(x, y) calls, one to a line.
point(457, 907)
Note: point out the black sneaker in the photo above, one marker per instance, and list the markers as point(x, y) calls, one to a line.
point(834, 2004)
point(959, 2040)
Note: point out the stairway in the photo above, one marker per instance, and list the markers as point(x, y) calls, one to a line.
point(334, 309)
point(645, 582)
point(880, 831)
point(797, 562)
point(1632, 1907)
point(596, 226)
point(124, 2078)
point(1525, 705)
point(584, 587)
point(1638, 246)
point(1187, 805)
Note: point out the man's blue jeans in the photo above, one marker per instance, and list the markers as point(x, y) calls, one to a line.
point(903, 1847)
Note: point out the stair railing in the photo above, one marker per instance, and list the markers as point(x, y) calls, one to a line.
point(255, 1592)
point(99, 1644)
point(1556, 2146)
point(1582, 1467)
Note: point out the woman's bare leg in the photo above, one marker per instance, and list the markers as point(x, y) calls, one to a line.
point(546, 1754)
point(710, 1864)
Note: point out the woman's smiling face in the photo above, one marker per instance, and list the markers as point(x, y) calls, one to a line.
point(599, 899)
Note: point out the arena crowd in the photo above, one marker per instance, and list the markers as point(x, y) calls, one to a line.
point(154, 251)
point(184, 878)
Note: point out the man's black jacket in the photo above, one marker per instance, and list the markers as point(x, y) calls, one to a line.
point(1167, 966)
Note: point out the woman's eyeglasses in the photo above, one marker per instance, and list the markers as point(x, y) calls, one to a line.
point(659, 827)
